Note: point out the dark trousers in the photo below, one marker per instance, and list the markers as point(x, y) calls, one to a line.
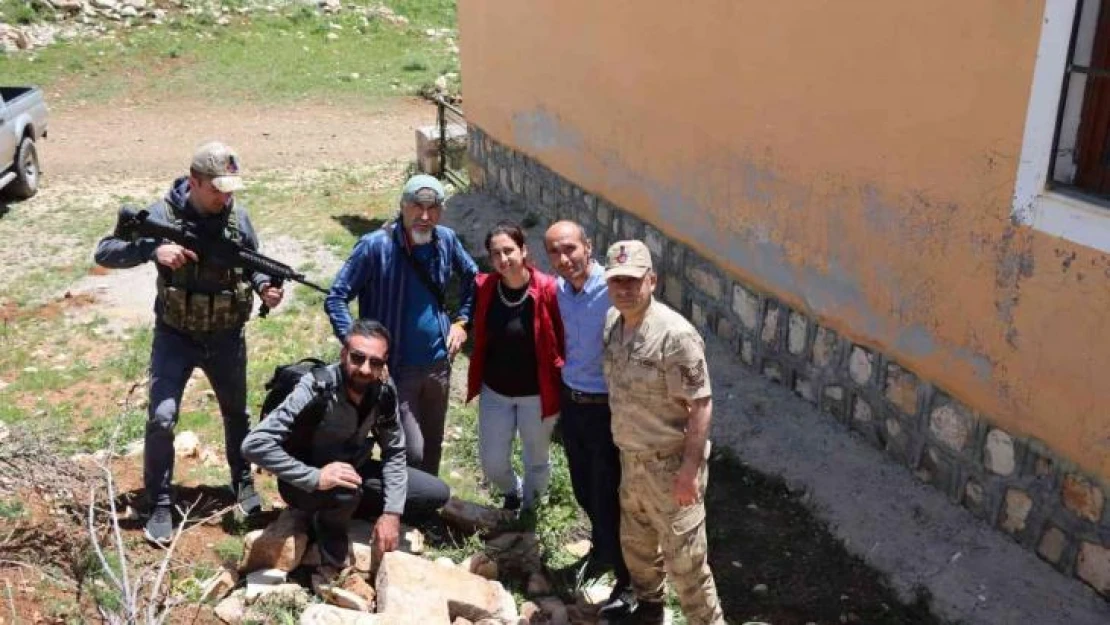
point(423, 392)
point(426, 494)
point(223, 358)
point(595, 475)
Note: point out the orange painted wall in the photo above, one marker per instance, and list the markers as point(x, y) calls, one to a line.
point(855, 158)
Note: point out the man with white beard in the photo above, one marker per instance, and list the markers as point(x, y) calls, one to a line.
point(400, 274)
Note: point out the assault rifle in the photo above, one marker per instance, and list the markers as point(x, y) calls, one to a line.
point(140, 222)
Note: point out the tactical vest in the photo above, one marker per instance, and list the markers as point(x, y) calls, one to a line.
point(201, 297)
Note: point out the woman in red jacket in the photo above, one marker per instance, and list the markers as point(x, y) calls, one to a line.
point(515, 367)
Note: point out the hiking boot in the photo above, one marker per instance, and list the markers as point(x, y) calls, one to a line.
point(159, 527)
point(621, 603)
point(647, 613)
point(332, 543)
point(250, 502)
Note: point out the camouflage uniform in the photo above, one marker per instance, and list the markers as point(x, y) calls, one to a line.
point(663, 363)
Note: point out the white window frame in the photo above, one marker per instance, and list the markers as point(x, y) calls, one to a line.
point(1066, 216)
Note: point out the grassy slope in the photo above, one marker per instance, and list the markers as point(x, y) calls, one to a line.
point(269, 57)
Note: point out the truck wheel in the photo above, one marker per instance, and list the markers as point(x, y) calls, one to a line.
point(26, 182)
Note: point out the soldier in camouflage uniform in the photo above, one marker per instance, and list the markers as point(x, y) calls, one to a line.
point(661, 403)
point(200, 311)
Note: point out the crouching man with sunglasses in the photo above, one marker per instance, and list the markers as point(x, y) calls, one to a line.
point(318, 443)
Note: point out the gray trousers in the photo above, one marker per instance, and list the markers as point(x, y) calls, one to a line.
point(223, 358)
point(423, 393)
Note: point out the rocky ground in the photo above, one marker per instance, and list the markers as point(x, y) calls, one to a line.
point(61, 20)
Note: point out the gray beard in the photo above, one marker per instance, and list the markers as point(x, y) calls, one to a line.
point(420, 238)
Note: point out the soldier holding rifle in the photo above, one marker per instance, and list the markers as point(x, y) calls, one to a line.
point(202, 304)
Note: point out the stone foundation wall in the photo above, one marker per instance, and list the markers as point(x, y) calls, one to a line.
point(1015, 484)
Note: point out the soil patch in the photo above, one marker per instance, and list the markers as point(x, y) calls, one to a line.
point(774, 561)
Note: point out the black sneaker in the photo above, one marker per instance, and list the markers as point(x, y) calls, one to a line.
point(159, 527)
point(647, 613)
point(250, 502)
point(620, 604)
point(512, 502)
point(332, 544)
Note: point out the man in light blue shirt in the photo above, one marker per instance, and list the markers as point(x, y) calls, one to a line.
point(593, 458)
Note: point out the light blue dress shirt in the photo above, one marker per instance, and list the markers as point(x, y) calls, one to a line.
point(583, 316)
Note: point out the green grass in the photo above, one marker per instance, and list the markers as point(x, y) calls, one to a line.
point(11, 509)
point(229, 549)
point(293, 54)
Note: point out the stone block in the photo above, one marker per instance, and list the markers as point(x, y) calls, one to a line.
point(554, 610)
point(747, 351)
point(706, 280)
point(1052, 544)
point(531, 190)
point(936, 469)
point(673, 291)
point(773, 371)
point(861, 410)
point(900, 389)
point(630, 228)
point(476, 173)
point(1093, 566)
point(771, 324)
point(657, 243)
point(232, 608)
point(1083, 498)
point(186, 445)
point(796, 333)
point(324, 614)
point(824, 347)
point(263, 581)
point(860, 364)
point(975, 498)
point(726, 330)
point(548, 198)
point(604, 213)
point(427, 145)
point(279, 546)
point(804, 388)
point(406, 583)
point(998, 453)
point(746, 306)
point(219, 585)
point(516, 179)
point(833, 401)
point(518, 553)
point(480, 564)
point(699, 317)
point(952, 425)
point(1015, 511)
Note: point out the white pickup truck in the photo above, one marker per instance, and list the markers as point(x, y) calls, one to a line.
point(23, 117)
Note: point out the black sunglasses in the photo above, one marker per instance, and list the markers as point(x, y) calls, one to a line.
point(358, 359)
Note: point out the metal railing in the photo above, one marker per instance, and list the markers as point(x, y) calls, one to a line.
point(452, 143)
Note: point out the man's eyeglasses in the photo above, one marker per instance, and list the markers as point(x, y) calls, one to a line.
point(358, 359)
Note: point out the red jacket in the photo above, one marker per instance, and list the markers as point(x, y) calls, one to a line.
point(548, 333)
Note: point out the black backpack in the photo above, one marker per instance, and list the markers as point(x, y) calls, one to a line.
point(279, 387)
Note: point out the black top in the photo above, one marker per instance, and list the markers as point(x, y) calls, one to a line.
point(511, 345)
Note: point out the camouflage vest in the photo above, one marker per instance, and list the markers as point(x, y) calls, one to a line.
point(205, 296)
